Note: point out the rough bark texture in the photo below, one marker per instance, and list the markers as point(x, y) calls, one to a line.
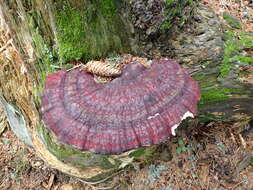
point(201, 48)
point(39, 37)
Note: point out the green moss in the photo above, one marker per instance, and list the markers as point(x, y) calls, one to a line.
point(242, 59)
point(67, 154)
point(233, 49)
point(232, 21)
point(108, 8)
point(169, 2)
point(206, 81)
point(20, 164)
point(246, 40)
point(218, 94)
point(207, 84)
point(89, 32)
point(175, 9)
point(225, 68)
point(145, 153)
point(46, 60)
point(206, 117)
point(70, 37)
point(199, 77)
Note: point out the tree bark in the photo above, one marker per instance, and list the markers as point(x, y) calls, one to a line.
point(40, 37)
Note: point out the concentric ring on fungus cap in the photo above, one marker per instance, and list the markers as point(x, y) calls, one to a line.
point(142, 107)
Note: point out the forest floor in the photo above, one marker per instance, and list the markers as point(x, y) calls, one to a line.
point(209, 154)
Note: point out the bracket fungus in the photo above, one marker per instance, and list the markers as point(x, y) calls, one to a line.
point(140, 108)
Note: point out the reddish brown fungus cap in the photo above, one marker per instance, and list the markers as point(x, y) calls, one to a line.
point(140, 108)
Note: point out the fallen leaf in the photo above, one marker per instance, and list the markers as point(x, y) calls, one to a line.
point(50, 182)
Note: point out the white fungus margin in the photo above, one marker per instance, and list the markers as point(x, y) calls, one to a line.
point(187, 114)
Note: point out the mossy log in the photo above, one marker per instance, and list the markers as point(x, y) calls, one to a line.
point(40, 37)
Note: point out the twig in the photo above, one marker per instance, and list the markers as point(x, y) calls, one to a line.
point(77, 66)
point(208, 183)
point(177, 182)
point(50, 182)
point(244, 144)
point(101, 181)
point(56, 187)
point(242, 165)
point(237, 185)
